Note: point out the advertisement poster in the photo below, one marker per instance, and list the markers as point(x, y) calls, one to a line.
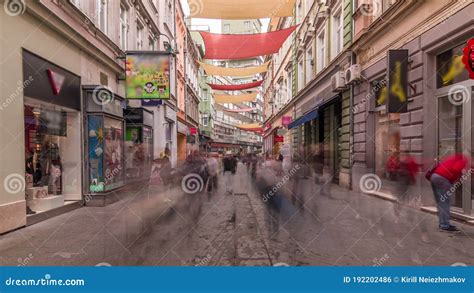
point(147, 75)
point(397, 81)
point(96, 152)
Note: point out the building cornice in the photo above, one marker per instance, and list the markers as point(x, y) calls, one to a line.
point(100, 45)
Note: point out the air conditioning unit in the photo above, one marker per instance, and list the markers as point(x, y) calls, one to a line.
point(353, 74)
point(338, 82)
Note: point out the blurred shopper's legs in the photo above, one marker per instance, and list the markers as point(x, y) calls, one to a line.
point(441, 188)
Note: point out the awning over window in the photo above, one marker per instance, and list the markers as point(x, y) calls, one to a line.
point(242, 46)
point(235, 87)
point(241, 9)
point(303, 119)
point(237, 72)
point(235, 98)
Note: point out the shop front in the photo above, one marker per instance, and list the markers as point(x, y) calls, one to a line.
point(104, 144)
point(430, 119)
point(182, 141)
point(318, 135)
point(453, 100)
point(138, 144)
point(52, 123)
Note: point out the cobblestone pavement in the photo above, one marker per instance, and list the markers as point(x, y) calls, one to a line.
point(329, 226)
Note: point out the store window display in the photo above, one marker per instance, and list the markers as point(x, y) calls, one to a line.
point(52, 156)
point(105, 153)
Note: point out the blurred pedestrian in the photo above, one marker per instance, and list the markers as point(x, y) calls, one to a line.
point(296, 174)
point(444, 177)
point(212, 170)
point(318, 162)
point(230, 168)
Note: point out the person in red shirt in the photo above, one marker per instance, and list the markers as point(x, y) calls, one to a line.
point(446, 178)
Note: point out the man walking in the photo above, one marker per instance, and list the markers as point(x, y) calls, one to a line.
point(230, 167)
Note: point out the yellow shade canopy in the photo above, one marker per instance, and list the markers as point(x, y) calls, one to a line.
point(236, 98)
point(237, 72)
point(254, 127)
point(241, 9)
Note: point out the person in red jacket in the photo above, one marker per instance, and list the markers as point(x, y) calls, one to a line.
point(445, 179)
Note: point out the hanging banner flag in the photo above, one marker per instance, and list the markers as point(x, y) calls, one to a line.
point(236, 72)
point(235, 87)
point(397, 81)
point(235, 98)
point(147, 75)
point(242, 9)
point(241, 110)
point(242, 46)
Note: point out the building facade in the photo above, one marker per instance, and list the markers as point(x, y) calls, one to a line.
point(307, 115)
point(63, 134)
point(437, 120)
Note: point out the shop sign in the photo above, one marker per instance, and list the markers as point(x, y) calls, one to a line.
point(193, 130)
point(286, 120)
point(147, 75)
point(56, 80)
point(152, 103)
point(277, 138)
point(397, 86)
point(468, 57)
point(54, 85)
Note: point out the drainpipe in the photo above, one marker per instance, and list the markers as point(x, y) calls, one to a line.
point(351, 127)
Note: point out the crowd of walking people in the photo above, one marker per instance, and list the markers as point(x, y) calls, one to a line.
point(268, 171)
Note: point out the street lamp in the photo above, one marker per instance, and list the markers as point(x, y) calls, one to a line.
point(170, 44)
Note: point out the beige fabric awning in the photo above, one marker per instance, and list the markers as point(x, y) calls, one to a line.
point(240, 9)
point(236, 98)
point(237, 72)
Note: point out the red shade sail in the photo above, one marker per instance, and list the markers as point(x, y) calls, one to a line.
point(235, 87)
point(241, 46)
